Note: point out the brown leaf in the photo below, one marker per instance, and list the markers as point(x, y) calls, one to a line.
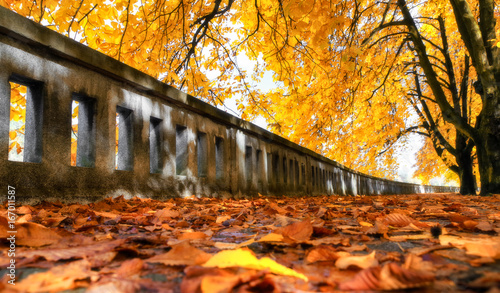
point(34, 235)
point(416, 263)
point(218, 284)
point(193, 236)
point(484, 226)
point(390, 277)
point(181, 254)
point(221, 219)
point(335, 240)
point(322, 253)
point(398, 220)
point(379, 228)
point(298, 232)
point(55, 254)
point(322, 232)
point(454, 207)
point(458, 218)
point(277, 209)
point(195, 275)
point(58, 278)
point(130, 268)
point(469, 224)
point(483, 247)
point(360, 261)
point(167, 214)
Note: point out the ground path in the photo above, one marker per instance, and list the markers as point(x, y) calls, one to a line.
point(433, 242)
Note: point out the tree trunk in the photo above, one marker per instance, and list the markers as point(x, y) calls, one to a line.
point(488, 142)
point(467, 178)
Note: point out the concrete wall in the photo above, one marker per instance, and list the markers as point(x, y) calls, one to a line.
point(170, 143)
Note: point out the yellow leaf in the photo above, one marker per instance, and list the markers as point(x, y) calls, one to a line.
point(19, 148)
point(246, 259)
point(365, 224)
point(12, 134)
point(271, 237)
point(75, 112)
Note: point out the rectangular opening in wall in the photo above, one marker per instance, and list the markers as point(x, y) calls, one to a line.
point(219, 158)
point(296, 169)
point(124, 139)
point(74, 130)
point(290, 171)
point(317, 177)
point(26, 113)
point(269, 166)
point(285, 171)
point(248, 164)
point(323, 178)
point(17, 124)
point(83, 131)
point(303, 171)
point(202, 153)
point(276, 160)
point(155, 145)
point(258, 165)
point(320, 178)
point(181, 150)
point(313, 180)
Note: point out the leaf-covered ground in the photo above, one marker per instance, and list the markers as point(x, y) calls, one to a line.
point(435, 242)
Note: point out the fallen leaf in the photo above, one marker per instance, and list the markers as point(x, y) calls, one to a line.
point(335, 240)
point(130, 268)
point(58, 278)
point(167, 214)
point(484, 226)
point(399, 220)
point(360, 261)
point(378, 229)
point(193, 236)
point(35, 235)
point(365, 224)
point(221, 219)
point(322, 253)
point(218, 284)
point(298, 232)
point(55, 254)
point(390, 277)
point(246, 259)
point(271, 237)
point(416, 263)
point(469, 224)
point(484, 247)
point(224, 245)
point(181, 254)
point(194, 276)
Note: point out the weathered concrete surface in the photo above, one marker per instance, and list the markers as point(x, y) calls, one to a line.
point(170, 143)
